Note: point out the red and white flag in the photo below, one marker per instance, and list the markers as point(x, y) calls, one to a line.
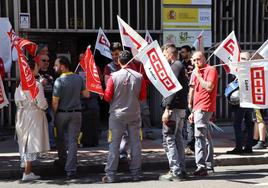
point(130, 38)
point(229, 52)
point(6, 48)
point(28, 81)
point(3, 98)
point(262, 51)
point(158, 69)
point(253, 83)
point(88, 64)
point(103, 44)
point(148, 37)
point(199, 42)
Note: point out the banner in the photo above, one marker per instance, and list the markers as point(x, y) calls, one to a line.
point(3, 98)
point(229, 52)
point(130, 38)
point(148, 37)
point(252, 78)
point(5, 43)
point(88, 64)
point(28, 81)
point(158, 70)
point(103, 44)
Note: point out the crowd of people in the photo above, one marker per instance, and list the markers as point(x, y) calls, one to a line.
point(64, 110)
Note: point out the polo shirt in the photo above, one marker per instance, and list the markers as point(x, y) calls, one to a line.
point(204, 100)
point(68, 88)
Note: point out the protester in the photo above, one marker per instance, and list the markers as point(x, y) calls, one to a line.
point(90, 115)
point(31, 125)
point(203, 91)
point(173, 120)
point(189, 127)
point(239, 115)
point(66, 105)
point(259, 130)
point(125, 88)
point(47, 80)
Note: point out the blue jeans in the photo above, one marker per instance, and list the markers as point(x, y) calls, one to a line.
point(241, 114)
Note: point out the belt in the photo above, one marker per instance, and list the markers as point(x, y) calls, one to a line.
point(69, 110)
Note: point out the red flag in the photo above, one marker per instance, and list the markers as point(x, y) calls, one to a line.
point(88, 64)
point(3, 98)
point(28, 81)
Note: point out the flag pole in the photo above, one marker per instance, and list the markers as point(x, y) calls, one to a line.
point(77, 67)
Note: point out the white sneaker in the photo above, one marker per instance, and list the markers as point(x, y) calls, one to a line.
point(30, 177)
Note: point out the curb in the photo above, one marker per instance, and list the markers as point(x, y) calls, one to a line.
point(46, 169)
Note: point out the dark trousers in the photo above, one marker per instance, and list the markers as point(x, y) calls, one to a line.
point(241, 114)
point(90, 127)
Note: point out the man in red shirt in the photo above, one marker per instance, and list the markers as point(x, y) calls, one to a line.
point(203, 92)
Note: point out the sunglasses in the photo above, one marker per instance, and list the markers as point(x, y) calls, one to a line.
point(43, 60)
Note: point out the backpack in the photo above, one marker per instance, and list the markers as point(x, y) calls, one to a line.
point(232, 92)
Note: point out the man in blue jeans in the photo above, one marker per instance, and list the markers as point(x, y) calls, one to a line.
point(173, 120)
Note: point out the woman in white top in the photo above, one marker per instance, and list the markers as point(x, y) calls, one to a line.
point(31, 125)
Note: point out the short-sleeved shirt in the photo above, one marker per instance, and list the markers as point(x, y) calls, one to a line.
point(68, 88)
point(110, 68)
point(204, 100)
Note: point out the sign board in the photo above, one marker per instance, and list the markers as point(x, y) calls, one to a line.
point(24, 20)
point(187, 2)
point(186, 37)
point(174, 17)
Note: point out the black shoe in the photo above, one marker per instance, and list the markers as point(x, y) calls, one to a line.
point(200, 172)
point(136, 178)
point(71, 175)
point(210, 169)
point(180, 177)
point(235, 151)
point(247, 150)
point(60, 164)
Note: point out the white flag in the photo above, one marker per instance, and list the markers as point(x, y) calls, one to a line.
point(158, 69)
point(148, 37)
point(263, 50)
point(253, 88)
point(199, 42)
point(103, 44)
point(229, 52)
point(5, 43)
point(130, 38)
point(3, 98)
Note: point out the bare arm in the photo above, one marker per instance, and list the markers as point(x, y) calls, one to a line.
point(55, 103)
point(190, 97)
point(207, 85)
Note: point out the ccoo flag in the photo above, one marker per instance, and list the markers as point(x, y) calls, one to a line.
point(130, 38)
point(158, 69)
point(103, 44)
point(229, 52)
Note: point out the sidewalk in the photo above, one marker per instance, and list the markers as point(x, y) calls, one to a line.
point(92, 160)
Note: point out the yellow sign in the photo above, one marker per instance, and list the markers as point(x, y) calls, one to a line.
point(181, 15)
point(187, 2)
point(177, 2)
